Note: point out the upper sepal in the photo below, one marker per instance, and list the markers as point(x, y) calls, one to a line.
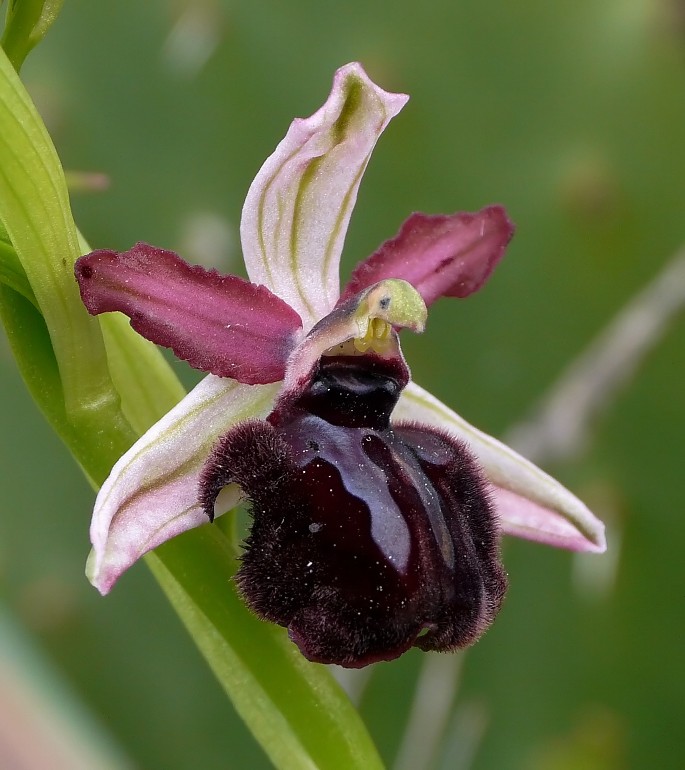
point(441, 256)
point(217, 323)
point(298, 207)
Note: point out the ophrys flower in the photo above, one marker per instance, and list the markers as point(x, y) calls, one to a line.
point(377, 510)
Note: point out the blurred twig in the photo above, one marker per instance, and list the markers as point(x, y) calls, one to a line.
point(463, 737)
point(43, 725)
point(559, 428)
point(434, 696)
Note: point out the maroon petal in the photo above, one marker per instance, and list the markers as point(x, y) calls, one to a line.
point(441, 256)
point(220, 324)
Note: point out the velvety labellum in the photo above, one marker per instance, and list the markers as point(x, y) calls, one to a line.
point(366, 539)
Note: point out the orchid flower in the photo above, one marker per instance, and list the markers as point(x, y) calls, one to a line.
point(377, 511)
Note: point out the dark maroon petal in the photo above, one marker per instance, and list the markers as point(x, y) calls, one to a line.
point(441, 256)
point(365, 539)
point(218, 323)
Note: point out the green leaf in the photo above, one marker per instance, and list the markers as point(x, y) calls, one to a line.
point(35, 211)
point(26, 24)
point(295, 709)
point(95, 450)
point(12, 273)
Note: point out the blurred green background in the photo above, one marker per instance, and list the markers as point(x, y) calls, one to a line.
point(572, 114)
